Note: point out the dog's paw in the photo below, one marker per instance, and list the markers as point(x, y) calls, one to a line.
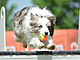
point(32, 45)
point(41, 45)
point(25, 45)
point(51, 47)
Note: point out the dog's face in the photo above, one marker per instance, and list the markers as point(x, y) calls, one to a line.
point(42, 25)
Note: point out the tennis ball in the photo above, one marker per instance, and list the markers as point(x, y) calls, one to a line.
point(42, 37)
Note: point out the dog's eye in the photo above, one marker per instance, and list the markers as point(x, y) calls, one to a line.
point(35, 26)
point(40, 26)
point(36, 14)
point(41, 16)
point(48, 26)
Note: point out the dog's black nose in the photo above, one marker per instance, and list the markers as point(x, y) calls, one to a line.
point(46, 33)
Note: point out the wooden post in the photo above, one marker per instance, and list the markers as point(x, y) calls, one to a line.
point(2, 30)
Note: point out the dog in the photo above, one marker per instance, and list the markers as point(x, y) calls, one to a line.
point(30, 22)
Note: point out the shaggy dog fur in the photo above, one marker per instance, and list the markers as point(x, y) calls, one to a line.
point(29, 22)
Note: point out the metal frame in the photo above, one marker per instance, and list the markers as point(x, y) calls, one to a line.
point(40, 53)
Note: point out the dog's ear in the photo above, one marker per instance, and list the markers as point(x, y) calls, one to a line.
point(35, 6)
point(52, 19)
point(33, 20)
point(32, 23)
point(45, 8)
point(33, 17)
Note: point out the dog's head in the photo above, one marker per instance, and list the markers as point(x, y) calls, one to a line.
point(43, 25)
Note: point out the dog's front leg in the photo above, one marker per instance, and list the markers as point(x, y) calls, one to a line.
point(39, 44)
point(32, 43)
point(35, 42)
point(49, 43)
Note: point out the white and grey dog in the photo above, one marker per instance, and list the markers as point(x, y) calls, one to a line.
point(30, 22)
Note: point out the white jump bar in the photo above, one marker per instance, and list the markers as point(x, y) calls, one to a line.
point(2, 30)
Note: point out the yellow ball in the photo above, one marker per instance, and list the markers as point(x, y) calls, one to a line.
point(41, 36)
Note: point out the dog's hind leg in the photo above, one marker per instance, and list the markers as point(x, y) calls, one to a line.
point(24, 44)
point(17, 39)
point(20, 40)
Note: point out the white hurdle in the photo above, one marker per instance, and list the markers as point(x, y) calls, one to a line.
point(47, 55)
point(2, 30)
point(79, 32)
